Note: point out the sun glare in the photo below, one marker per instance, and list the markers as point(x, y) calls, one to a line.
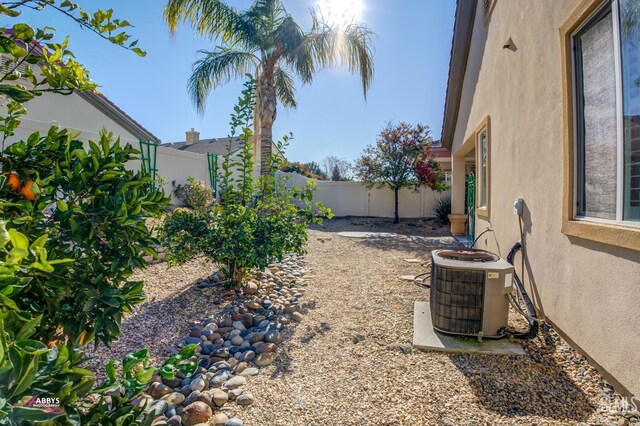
point(342, 11)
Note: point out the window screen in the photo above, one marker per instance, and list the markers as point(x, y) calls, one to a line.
point(596, 119)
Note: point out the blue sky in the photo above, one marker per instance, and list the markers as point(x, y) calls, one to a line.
point(412, 48)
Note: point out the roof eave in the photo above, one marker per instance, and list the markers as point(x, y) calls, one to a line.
point(462, 32)
point(111, 110)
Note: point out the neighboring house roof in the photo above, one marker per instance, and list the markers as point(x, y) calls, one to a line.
point(462, 31)
point(111, 110)
point(104, 105)
point(219, 146)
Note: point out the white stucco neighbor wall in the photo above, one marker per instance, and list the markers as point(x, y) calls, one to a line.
point(71, 112)
point(353, 199)
point(588, 290)
point(74, 113)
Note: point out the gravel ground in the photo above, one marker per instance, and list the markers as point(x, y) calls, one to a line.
point(346, 363)
point(163, 319)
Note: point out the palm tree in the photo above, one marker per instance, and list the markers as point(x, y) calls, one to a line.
point(266, 41)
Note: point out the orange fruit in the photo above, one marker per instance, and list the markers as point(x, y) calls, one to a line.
point(27, 192)
point(13, 182)
point(53, 343)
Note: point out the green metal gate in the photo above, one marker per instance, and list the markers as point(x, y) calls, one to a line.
point(471, 207)
point(212, 162)
point(149, 152)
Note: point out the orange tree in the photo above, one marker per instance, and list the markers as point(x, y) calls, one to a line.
point(72, 230)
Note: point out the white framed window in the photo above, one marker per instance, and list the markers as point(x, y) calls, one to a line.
point(606, 62)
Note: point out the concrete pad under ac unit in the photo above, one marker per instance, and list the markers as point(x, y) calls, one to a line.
point(427, 339)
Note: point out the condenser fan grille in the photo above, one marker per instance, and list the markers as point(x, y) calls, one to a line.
point(457, 299)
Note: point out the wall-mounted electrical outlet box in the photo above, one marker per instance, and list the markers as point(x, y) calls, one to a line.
point(518, 206)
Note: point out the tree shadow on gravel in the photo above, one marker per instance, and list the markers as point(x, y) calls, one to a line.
point(311, 333)
point(159, 323)
point(407, 226)
point(418, 248)
point(530, 385)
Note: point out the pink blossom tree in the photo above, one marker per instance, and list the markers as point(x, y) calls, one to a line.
point(401, 158)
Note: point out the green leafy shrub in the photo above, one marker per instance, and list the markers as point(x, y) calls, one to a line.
point(311, 170)
point(72, 228)
point(256, 222)
point(93, 209)
point(442, 209)
point(194, 194)
point(29, 367)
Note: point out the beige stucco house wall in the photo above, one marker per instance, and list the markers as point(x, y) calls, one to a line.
point(589, 289)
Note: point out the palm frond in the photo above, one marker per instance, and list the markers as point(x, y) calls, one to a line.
point(320, 41)
point(285, 88)
point(216, 68)
point(211, 18)
point(265, 16)
point(292, 42)
point(356, 52)
point(350, 46)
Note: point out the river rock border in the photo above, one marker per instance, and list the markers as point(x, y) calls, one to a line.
point(233, 345)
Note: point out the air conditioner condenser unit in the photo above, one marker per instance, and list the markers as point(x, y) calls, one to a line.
point(470, 292)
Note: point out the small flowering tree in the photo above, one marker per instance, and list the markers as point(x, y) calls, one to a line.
point(401, 158)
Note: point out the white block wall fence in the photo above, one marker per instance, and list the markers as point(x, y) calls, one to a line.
point(353, 199)
point(344, 198)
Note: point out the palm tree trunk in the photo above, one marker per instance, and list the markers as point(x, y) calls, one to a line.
point(267, 107)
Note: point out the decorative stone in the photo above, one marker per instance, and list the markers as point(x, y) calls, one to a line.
point(234, 421)
point(265, 359)
point(255, 337)
point(214, 336)
point(197, 412)
point(172, 383)
point(219, 397)
point(212, 326)
point(206, 397)
point(157, 407)
point(193, 397)
point(219, 419)
point(222, 353)
point(175, 421)
point(264, 348)
point(241, 367)
point(197, 384)
point(160, 421)
point(235, 382)
point(158, 390)
point(248, 356)
point(142, 400)
point(245, 399)
point(253, 305)
point(217, 380)
point(238, 325)
point(297, 316)
point(250, 288)
point(237, 340)
point(174, 399)
point(234, 393)
point(251, 371)
point(273, 336)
